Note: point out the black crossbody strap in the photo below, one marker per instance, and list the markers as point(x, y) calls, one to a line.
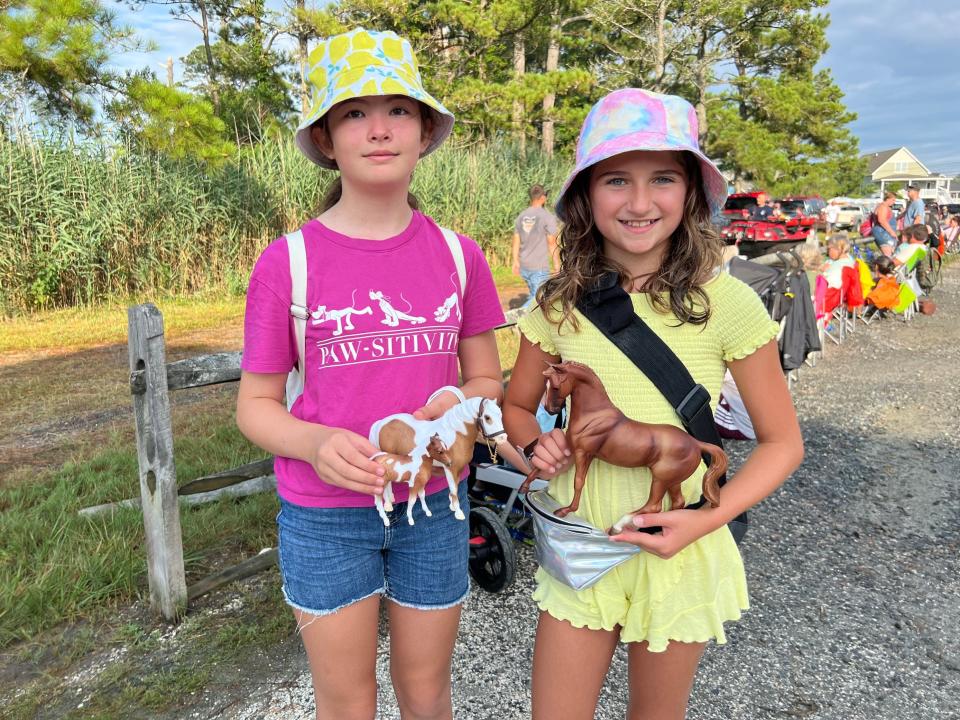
point(609, 308)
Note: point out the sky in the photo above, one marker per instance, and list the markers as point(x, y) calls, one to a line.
point(896, 61)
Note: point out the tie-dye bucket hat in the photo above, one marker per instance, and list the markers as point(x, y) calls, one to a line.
point(363, 63)
point(634, 119)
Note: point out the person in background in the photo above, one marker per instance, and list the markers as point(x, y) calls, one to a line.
point(886, 294)
point(951, 234)
point(882, 228)
point(831, 214)
point(838, 257)
point(915, 212)
point(914, 240)
point(534, 251)
point(763, 208)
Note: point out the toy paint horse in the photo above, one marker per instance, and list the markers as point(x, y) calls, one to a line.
point(457, 429)
point(436, 453)
point(597, 429)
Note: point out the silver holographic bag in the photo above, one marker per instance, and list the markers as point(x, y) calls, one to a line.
point(572, 550)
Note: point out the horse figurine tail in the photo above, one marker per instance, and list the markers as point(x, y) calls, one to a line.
point(718, 466)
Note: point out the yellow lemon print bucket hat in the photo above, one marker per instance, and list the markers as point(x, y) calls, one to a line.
point(364, 63)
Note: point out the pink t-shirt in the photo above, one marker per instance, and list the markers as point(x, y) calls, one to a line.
point(386, 317)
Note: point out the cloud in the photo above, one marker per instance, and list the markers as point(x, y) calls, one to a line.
point(898, 65)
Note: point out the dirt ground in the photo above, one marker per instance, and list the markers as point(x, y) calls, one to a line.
point(852, 564)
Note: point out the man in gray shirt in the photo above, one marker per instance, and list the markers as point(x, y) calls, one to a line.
point(534, 252)
point(915, 210)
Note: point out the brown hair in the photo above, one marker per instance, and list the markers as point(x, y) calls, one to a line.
point(884, 265)
point(916, 232)
point(889, 194)
point(335, 189)
point(537, 191)
point(693, 254)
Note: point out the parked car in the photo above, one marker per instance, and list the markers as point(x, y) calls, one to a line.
point(850, 217)
point(953, 208)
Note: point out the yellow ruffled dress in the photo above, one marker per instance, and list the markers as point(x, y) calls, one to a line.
point(688, 597)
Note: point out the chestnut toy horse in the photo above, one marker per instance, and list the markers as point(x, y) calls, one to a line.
point(597, 429)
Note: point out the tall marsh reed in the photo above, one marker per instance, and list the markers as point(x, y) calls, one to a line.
point(79, 224)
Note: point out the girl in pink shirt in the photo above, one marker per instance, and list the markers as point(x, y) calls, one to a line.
point(388, 322)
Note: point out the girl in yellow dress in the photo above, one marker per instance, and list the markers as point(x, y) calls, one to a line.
point(639, 203)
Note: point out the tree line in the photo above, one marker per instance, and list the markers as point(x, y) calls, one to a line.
point(524, 71)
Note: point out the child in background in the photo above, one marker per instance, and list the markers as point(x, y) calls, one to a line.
point(886, 294)
point(387, 324)
point(636, 211)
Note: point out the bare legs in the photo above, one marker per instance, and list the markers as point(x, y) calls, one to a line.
point(342, 650)
point(570, 664)
point(421, 647)
point(660, 683)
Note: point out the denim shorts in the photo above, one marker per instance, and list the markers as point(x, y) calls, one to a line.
point(333, 557)
point(882, 237)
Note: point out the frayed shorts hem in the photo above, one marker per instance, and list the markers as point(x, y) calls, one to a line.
point(322, 613)
point(446, 606)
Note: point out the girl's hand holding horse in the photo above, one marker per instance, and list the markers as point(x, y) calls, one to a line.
point(551, 455)
point(436, 407)
point(343, 459)
point(678, 528)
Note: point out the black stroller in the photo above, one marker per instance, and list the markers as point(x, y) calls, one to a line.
point(782, 285)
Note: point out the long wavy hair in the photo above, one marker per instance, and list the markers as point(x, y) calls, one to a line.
point(335, 189)
point(689, 261)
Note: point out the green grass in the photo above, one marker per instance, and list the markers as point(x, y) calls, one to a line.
point(84, 223)
point(57, 566)
point(106, 323)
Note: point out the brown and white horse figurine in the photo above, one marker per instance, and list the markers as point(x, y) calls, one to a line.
point(457, 429)
point(597, 429)
point(397, 469)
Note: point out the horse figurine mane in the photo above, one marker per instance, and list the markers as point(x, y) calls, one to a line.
point(455, 432)
point(598, 429)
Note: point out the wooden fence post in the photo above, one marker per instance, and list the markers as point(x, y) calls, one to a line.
point(158, 477)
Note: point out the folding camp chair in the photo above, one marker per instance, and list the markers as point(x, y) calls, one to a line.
point(907, 277)
point(828, 326)
point(905, 307)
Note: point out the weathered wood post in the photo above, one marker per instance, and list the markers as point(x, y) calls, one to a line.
point(158, 478)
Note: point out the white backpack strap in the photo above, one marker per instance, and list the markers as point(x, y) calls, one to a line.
point(453, 242)
point(298, 292)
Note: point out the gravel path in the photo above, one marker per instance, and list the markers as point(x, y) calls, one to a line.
point(852, 565)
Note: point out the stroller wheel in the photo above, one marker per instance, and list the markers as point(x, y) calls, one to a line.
point(493, 559)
